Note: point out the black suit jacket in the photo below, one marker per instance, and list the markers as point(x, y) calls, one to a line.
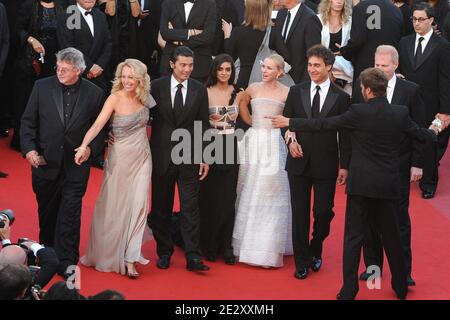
point(4, 38)
point(432, 73)
point(406, 93)
point(195, 109)
point(42, 127)
point(363, 42)
point(321, 150)
point(201, 17)
point(376, 128)
point(304, 33)
point(96, 49)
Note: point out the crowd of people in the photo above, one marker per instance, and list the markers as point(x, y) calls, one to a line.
point(251, 109)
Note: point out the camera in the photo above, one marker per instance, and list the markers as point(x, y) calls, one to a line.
point(6, 214)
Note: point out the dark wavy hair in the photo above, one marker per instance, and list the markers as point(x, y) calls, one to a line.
point(217, 62)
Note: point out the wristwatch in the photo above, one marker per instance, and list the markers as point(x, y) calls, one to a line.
point(438, 124)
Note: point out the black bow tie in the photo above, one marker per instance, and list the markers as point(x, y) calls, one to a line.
point(191, 1)
point(87, 13)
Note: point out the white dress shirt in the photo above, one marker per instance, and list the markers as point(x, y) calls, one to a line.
point(425, 40)
point(88, 18)
point(390, 88)
point(173, 89)
point(324, 87)
point(293, 12)
point(187, 9)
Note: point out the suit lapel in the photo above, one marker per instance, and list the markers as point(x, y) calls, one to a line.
point(396, 96)
point(190, 98)
point(79, 105)
point(295, 22)
point(329, 102)
point(432, 44)
point(166, 106)
point(180, 6)
point(306, 99)
point(58, 99)
point(192, 13)
point(410, 49)
point(85, 26)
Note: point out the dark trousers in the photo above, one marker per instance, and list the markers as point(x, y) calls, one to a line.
point(324, 190)
point(163, 191)
point(373, 248)
point(432, 155)
point(59, 207)
point(382, 214)
point(217, 210)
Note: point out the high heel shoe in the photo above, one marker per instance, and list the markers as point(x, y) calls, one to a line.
point(130, 274)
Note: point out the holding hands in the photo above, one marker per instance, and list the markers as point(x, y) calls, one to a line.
point(82, 154)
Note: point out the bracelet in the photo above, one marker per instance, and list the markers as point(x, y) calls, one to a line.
point(132, 1)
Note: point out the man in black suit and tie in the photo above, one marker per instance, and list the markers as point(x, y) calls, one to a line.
point(86, 29)
point(371, 28)
point(425, 60)
point(181, 108)
point(4, 47)
point(300, 29)
point(373, 181)
point(405, 93)
point(59, 112)
point(190, 23)
point(314, 158)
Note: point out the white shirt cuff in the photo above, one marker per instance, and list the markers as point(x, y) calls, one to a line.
point(5, 242)
point(35, 247)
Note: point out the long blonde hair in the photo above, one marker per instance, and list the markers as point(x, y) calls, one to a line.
point(140, 74)
point(258, 14)
point(324, 10)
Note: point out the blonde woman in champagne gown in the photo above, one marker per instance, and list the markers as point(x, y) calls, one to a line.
point(120, 214)
point(262, 229)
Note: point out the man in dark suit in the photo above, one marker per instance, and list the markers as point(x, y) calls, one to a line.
point(405, 93)
point(429, 68)
point(313, 159)
point(4, 38)
point(371, 28)
point(373, 181)
point(59, 112)
point(192, 24)
point(86, 29)
point(181, 108)
point(300, 29)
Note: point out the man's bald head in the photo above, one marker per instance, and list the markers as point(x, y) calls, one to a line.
point(12, 255)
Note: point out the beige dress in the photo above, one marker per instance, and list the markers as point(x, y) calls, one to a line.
point(120, 214)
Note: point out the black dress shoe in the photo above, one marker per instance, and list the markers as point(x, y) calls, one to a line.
point(342, 296)
point(4, 133)
point(196, 265)
point(211, 257)
point(316, 264)
point(3, 174)
point(428, 194)
point(301, 273)
point(163, 262)
point(410, 281)
point(230, 260)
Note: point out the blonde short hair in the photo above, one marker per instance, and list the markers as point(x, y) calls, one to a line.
point(279, 62)
point(258, 14)
point(387, 49)
point(140, 73)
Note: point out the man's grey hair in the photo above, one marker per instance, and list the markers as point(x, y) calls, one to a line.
point(387, 49)
point(72, 56)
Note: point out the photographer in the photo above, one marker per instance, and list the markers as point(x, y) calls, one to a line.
point(15, 279)
point(42, 261)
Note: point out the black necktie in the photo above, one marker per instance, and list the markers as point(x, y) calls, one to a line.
point(418, 56)
point(316, 103)
point(86, 13)
point(288, 19)
point(178, 102)
point(191, 1)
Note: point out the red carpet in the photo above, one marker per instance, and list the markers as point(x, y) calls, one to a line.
point(430, 242)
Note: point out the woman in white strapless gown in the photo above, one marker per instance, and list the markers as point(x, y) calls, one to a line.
point(262, 229)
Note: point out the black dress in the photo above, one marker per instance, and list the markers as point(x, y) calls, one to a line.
point(335, 38)
point(218, 190)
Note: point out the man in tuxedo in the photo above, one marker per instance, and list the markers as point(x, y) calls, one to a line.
point(369, 30)
point(190, 23)
point(86, 29)
point(300, 29)
point(373, 181)
point(181, 106)
point(4, 38)
point(59, 112)
point(425, 60)
point(405, 93)
point(314, 158)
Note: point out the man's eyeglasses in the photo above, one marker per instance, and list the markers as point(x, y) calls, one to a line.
point(420, 20)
